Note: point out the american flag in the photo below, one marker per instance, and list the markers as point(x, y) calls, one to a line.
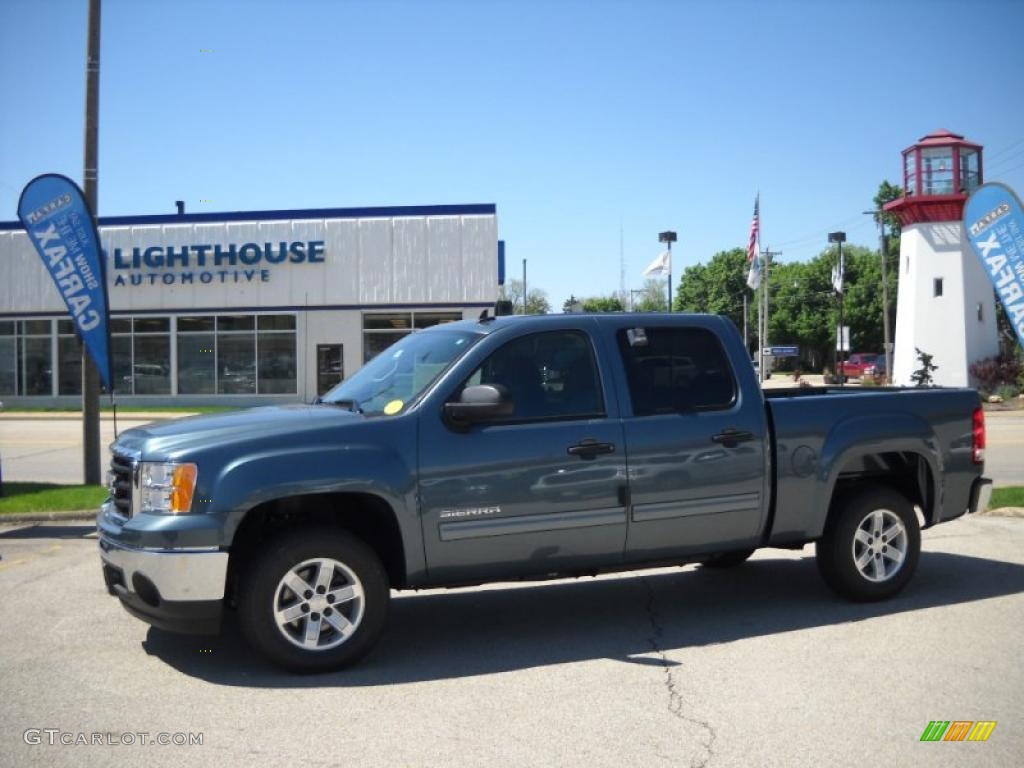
point(754, 275)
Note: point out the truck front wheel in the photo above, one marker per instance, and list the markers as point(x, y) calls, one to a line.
point(871, 545)
point(315, 600)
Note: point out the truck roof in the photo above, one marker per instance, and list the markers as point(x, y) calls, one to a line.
point(491, 324)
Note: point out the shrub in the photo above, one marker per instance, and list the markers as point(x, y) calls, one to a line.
point(1008, 392)
point(922, 377)
point(993, 373)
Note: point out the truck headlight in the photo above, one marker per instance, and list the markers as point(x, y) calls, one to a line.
point(166, 487)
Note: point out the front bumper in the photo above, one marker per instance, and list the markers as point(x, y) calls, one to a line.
point(981, 495)
point(181, 590)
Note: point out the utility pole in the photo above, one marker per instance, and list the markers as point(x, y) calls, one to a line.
point(883, 247)
point(767, 255)
point(90, 376)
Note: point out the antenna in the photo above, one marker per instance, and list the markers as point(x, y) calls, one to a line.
point(622, 264)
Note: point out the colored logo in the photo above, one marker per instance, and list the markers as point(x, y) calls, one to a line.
point(994, 222)
point(63, 231)
point(958, 730)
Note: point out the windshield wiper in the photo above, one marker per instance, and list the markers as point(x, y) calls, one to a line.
point(352, 405)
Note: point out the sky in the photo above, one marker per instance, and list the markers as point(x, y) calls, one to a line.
point(593, 126)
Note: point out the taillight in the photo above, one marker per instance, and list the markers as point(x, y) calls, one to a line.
point(979, 435)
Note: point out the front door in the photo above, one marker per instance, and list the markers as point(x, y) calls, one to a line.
point(540, 492)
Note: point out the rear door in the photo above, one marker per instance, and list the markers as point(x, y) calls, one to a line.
point(696, 443)
point(540, 492)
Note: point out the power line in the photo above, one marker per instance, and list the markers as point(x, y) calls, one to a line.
point(1005, 149)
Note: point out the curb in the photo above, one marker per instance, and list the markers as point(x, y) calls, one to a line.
point(49, 517)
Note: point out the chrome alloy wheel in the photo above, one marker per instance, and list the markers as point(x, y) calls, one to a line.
point(318, 604)
point(880, 545)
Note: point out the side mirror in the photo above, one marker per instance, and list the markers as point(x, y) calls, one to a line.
point(483, 402)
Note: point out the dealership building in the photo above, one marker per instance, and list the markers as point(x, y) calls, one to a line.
point(247, 307)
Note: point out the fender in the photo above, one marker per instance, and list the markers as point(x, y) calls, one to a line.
point(251, 479)
point(857, 436)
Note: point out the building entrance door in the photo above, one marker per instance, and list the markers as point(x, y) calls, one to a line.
point(330, 369)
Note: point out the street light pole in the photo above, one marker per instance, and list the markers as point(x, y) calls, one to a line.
point(668, 237)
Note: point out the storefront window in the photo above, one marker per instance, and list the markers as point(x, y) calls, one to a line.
point(236, 355)
point(381, 330)
point(36, 360)
point(69, 362)
point(8, 358)
point(152, 364)
point(197, 362)
point(275, 344)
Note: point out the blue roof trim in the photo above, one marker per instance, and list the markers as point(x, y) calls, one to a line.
point(469, 209)
point(256, 309)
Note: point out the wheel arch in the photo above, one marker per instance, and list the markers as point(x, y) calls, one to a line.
point(365, 515)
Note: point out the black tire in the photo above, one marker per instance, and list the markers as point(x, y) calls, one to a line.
point(360, 598)
point(728, 559)
point(882, 572)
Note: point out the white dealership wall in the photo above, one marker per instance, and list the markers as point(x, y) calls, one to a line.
point(426, 258)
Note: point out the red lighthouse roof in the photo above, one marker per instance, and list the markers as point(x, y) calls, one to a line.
point(944, 137)
point(939, 173)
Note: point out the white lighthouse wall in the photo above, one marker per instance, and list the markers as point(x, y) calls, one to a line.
point(947, 326)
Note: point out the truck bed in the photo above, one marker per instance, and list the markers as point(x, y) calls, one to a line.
point(823, 435)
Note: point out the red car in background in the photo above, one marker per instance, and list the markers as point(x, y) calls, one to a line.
point(853, 367)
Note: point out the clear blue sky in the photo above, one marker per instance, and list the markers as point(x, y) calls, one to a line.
point(571, 116)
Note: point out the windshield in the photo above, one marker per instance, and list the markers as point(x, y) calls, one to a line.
point(397, 376)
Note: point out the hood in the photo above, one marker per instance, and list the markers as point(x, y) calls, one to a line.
point(180, 437)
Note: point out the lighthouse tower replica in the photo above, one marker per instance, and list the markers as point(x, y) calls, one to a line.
point(945, 306)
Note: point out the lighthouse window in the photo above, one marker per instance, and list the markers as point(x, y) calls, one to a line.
point(910, 183)
point(938, 286)
point(937, 171)
point(970, 174)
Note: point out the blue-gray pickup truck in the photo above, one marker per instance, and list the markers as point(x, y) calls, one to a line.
point(523, 448)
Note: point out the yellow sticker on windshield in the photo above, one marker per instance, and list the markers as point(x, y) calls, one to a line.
point(393, 407)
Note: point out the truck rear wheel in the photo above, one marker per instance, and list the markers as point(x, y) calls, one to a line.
point(316, 600)
point(871, 545)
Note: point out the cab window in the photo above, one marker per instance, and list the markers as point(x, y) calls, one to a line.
point(551, 375)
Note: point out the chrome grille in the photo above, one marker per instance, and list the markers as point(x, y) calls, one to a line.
point(121, 468)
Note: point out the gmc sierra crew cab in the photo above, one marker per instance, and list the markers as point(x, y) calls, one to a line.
point(523, 448)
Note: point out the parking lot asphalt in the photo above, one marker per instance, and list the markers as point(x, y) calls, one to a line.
point(760, 665)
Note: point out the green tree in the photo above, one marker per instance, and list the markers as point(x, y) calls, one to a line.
point(603, 304)
point(800, 309)
point(652, 297)
point(536, 303)
point(887, 192)
point(716, 287)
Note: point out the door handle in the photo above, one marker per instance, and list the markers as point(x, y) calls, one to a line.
point(589, 448)
point(730, 438)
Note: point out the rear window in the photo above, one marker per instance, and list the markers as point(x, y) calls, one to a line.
point(674, 370)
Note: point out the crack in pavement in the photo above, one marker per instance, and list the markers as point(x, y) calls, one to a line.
point(675, 698)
